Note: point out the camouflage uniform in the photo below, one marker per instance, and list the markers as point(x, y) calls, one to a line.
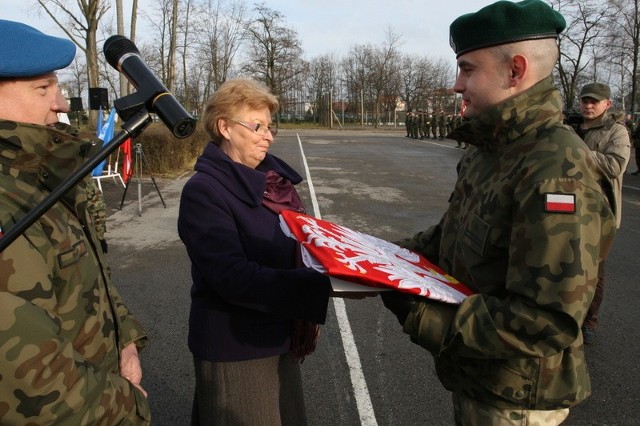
point(421, 121)
point(517, 343)
point(63, 323)
point(407, 123)
point(434, 125)
point(427, 125)
point(442, 125)
point(96, 205)
point(415, 125)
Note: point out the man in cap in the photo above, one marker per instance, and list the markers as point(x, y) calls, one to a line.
point(68, 347)
point(526, 227)
point(611, 149)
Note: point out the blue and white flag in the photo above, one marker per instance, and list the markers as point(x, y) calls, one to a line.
point(104, 132)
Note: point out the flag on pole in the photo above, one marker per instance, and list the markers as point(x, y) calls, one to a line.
point(127, 170)
point(99, 122)
point(106, 134)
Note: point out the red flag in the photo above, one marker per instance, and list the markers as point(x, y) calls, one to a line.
point(127, 171)
point(360, 258)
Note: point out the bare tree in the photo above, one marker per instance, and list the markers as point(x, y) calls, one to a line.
point(623, 42)
point(158, 52)
point(221, 28)
point(81, 27)
point(356, 69)
point(173, 47)
point(384, 73)
point(78, 84)
point(184, 48)
point(322, 81)
point(275, 52)
point(578, 43)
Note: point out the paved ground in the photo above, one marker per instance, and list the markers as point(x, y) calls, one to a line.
point(389, 186)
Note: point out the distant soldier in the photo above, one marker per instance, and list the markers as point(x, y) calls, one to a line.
point(414, 125)
point(407, 123)
point(420, 125)
point(434, 125)
point(442, 124)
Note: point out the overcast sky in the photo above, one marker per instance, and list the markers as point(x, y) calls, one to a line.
point(330, 26)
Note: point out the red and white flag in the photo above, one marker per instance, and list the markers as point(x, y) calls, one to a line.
point(127, 171)
point(560, 203)
point(360, 258)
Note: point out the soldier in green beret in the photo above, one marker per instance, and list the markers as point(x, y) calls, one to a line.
point(526, 227)
point(68, 347)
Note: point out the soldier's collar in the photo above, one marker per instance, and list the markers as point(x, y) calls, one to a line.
point(516, 116)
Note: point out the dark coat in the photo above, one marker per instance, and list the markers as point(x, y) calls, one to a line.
point(246, 290)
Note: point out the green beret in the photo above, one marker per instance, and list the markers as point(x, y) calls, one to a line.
point(505, 22)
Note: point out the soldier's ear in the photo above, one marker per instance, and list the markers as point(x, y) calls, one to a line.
point(519, 68)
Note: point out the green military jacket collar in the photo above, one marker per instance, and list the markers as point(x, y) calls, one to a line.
point(509, 120)
point(44, 156)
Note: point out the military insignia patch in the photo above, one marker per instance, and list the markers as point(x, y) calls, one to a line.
point(560, 203)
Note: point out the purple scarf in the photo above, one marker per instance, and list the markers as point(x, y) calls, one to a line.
point(279, 195)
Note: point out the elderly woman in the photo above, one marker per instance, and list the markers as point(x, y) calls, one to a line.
point(253, 306)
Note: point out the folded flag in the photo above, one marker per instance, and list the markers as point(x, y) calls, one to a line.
point(353, 256)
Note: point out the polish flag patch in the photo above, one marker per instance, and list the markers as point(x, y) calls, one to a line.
point(560, 203)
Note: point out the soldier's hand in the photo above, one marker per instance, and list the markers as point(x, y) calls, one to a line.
point(399, 303)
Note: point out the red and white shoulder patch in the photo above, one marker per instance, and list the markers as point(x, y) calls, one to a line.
point(559, 203)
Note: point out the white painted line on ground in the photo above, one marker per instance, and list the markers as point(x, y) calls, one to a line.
point(631, 187)
point(360, 389)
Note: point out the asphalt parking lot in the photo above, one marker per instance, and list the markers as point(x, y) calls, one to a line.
point(389, 186)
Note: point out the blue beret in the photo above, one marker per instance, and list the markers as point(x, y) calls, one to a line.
point(505, 22)
point(26, 52)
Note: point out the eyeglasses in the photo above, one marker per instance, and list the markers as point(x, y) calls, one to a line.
point(258, 128)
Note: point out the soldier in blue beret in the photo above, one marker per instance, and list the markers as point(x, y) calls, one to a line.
point(526, 228)
point(68, 347)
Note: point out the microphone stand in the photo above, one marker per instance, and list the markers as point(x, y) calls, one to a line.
point(136, 121)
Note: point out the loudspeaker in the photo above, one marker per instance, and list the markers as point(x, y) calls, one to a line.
point(98, 97)
point(75, 104)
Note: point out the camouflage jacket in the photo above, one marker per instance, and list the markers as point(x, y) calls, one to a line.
point(517, 343)
point(63, 323)
point(611, 148)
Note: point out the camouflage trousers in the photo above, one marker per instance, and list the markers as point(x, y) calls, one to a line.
point(469, 412)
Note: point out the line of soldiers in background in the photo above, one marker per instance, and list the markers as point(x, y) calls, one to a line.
point(422, 125)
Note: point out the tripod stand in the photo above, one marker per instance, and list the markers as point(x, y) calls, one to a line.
point(138, 161)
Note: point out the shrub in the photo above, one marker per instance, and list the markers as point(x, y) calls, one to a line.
point(166, 154)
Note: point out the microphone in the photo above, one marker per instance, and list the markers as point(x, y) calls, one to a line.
point(123, 55)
